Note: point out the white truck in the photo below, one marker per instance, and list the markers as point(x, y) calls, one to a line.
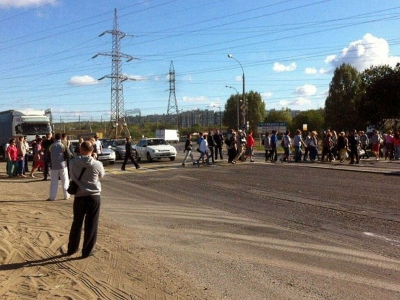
point(170, 135)
point(29, 123)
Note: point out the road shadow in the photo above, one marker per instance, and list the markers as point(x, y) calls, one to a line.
point(40, 262)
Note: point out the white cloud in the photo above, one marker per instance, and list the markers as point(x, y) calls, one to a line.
point(239, 78)
point(314, 71)
point(300, 102)
point(188, 78)
point(82, 80)
point(282, 68)
point(194, 99)
point(284, 103)
point(306, 90)
point(364, 53)
point(266, 95)
point(25, 3)
point(311, 71)
point(215, 106)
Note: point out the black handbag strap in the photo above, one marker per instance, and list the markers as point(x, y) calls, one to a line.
point(83, 171)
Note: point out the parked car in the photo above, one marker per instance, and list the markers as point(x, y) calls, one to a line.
point(154, 148)
point(117, 145)
point(107, 156)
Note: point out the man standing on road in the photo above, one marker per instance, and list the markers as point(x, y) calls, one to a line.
point(219, 140)
point(274, 152)
point(354, 143)
point(99, 146)
point(87, 200)
point(128, 154)
point(58, 168)
point(46, 143)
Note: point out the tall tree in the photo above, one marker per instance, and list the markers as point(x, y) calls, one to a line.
point(255, 110)
point(381, 100)
point(283, 115)
point(314, 119)
point(230, 114)
point(341, 111)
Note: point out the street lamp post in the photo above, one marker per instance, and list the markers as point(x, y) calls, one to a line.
point(237, 107)
point(244, 91)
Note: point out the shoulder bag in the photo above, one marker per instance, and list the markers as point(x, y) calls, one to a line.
point(73, 186)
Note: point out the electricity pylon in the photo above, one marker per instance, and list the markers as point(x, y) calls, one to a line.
point(172, 103)
point(117, 127)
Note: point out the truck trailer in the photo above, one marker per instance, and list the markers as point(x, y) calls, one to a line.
point(29, 123)
point(170, 135)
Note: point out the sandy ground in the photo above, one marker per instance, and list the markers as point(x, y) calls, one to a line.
point(34, 234)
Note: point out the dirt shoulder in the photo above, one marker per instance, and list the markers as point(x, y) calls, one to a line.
point(34, 233)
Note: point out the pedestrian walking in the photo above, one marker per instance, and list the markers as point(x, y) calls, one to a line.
point(129, 154)
point(188, 150)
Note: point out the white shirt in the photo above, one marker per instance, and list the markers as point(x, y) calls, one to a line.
point(204, 145)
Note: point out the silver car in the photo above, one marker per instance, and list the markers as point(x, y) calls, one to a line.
point(107, 156)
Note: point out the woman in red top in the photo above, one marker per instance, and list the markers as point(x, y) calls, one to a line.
point(12, 155)
point(250, 146)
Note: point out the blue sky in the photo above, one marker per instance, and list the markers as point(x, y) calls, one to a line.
point(288, 50)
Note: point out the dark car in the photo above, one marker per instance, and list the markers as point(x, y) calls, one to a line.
point(118, 145)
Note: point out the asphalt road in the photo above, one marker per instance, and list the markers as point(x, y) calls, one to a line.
point(266, 231)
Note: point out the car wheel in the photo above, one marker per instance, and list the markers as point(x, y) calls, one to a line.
point(172, 158)
point(149, 159)
point(112, 162)
point(117, 156)
point(137, 157)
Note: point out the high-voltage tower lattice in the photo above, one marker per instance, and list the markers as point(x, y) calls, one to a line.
point(172, 103)
point(118, 126)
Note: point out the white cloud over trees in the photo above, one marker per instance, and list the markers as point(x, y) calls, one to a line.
point(364, 53)
point(306, 90)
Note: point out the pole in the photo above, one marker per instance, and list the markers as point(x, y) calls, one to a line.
point(220, 120)
point(244, 90)
point(244, 99)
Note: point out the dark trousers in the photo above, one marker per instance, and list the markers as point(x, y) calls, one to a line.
point(218, 149)
point(46, 167)
point(306, 153)
point(126, 160)
point(274, 154)
point(231, 154)
point(26, 167)
point(86, 208)
point(354, 155)
point(211, 153)
point(268, 154)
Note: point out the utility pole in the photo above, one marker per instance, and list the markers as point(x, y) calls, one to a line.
point(172, 94)
point(117, 124)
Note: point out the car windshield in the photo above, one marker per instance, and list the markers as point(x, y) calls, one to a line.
point(154, 142)
point(113, 143)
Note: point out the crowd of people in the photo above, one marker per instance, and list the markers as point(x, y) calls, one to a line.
point(331, 146)
point(83, 168)
point(352, 145)
point(210, 145)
